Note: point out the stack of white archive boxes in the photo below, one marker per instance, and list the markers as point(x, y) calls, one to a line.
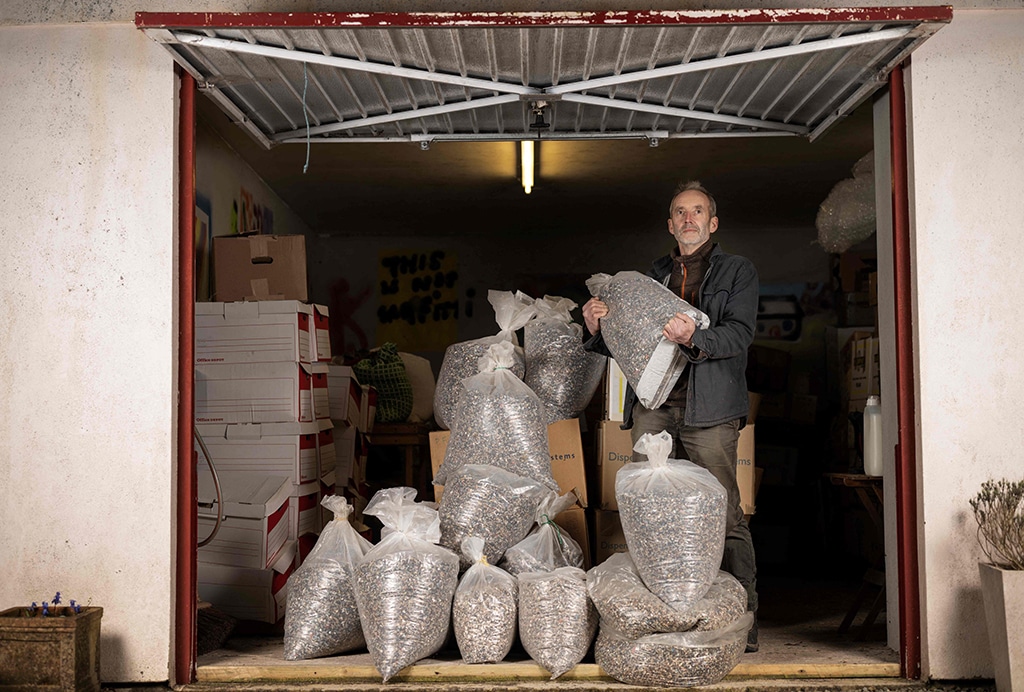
point(261, 408)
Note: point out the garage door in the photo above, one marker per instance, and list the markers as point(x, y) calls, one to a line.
point(358, 77)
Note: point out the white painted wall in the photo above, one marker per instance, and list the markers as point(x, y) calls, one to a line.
point(967, 158)
point(87, 356)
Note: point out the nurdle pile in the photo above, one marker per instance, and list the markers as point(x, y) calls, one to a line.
point(490, 503)
point(557, 620)
point(562, 374)
point(511, 312)
point(485, 610)
point(547, 547)
point(638, 310)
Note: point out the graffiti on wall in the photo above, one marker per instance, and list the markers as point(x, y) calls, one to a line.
point(418, 299)
point(347, 336)
point(251, 217)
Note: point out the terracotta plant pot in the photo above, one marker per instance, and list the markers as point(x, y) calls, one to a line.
point(57, 653)
point(1003, 593)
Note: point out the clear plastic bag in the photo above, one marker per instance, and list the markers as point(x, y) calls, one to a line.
point(491, 503)
point(485, 610)
point(627, 605)
point(321, 618)
point(511, 312)
point(724, 603)
point(673, 515)
point(558, 369)
point(405, 584)
point(638, 310)
point(677, 659)
point(501, 423)
point(557, 620)
point(547, 547)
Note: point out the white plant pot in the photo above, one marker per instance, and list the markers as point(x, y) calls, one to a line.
point(1003, 593)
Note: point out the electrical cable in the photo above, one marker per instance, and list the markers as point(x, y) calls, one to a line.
point(216, 485)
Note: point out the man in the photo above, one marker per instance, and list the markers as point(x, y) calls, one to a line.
point(708, 405)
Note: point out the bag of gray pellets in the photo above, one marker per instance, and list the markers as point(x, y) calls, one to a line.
point(638, 310)
point(511, 312)
point(500, 423)
point(321, 617)
point(676, 659)
point(548, 546)
point(490, 503)
point(557, 621)
point(627, 606)
point(405, 584)
point(673, 516)
point(485, 609)
point(562, 374)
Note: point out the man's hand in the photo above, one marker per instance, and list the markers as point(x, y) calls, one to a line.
point(680, 329)
point(593, 311)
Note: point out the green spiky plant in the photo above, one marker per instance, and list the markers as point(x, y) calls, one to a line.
point(999, 510)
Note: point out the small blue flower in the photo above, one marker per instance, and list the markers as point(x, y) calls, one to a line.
point(46, 608)
point(56, 598)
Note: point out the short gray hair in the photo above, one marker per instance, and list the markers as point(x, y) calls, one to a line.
point(697, 187)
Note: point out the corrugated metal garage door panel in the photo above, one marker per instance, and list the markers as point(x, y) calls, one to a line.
point(659, 76)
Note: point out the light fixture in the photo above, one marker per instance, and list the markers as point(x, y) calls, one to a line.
point(527, 164)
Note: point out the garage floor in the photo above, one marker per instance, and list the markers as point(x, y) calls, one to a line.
point(799, 638)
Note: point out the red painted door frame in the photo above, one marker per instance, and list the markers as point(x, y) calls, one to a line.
point(906, 460)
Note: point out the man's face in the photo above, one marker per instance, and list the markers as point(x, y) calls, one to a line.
point(691, 223)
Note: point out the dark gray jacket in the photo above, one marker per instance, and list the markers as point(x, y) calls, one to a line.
point(717, 391)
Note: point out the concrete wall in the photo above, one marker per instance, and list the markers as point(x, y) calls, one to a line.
point(966, 97)
point(87, 352)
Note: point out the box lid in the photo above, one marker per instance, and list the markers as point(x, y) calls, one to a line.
point(257, 431)
point(248, 309)
point(247, 495)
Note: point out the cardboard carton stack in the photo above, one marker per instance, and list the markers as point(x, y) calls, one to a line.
point(352, 408)
point(262, 411)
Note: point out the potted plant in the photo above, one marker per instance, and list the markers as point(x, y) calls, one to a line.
point(999, 510)
point(50, 647)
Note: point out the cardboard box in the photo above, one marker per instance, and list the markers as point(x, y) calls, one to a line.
point(564, 446)
point(321, 393)
point(345, 395)
point(266, 331)
point(608, 536)
point(574, 522)
point(258, 393)
point(864, 358)
point(254, 527)
point(326, 455)
point(614, 449)
point(246, 593)
point(260, 267)
point(304, 508)
point(320, 344)
point(281, 449)
point(615, 391)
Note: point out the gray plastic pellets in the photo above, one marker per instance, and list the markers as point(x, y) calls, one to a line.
point(627, 605)
point(504, 427)
point(724, 603)
point(680, 659)
point(484, 616)
point(321, 618)
point(558, 370)
point(461, 361)
point(488, 502)
point(557, 620)
point(405, 602)
point(675, 536)
point(638, 310)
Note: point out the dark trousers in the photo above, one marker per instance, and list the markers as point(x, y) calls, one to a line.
point(714, 449)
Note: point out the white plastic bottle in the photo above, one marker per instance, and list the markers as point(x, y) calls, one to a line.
point(873, 436)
